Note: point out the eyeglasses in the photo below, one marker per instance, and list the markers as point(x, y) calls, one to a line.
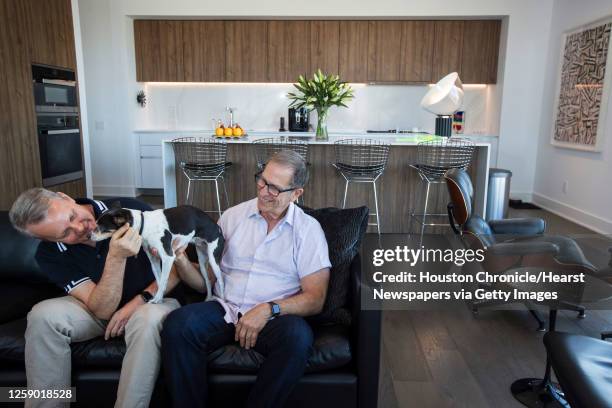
point(272, 189)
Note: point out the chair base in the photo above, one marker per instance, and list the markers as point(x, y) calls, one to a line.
point(536, 393)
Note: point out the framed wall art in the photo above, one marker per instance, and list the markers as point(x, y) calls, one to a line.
point(583, 87)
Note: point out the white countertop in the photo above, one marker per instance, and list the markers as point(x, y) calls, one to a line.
point(409, 140)
point(309, 137)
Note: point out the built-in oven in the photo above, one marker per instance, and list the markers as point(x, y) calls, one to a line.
point(59, 142)
point(54, 89)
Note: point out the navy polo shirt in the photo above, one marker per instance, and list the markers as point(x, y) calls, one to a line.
point(69, 266)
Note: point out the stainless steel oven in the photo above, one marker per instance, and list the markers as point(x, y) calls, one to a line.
point(59, 142)
point(54, 89)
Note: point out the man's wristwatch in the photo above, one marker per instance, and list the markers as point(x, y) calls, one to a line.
point(275, 309)
point(146, 296)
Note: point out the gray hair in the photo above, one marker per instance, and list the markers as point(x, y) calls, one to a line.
point(289, 158)
point(31, 207)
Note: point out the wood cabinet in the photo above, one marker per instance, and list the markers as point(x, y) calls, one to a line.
point(246, 51)
point(288, 50)
point(48, 25)
point(416, 49)
point(447, 52)
point(381, 51)
point(204, 51)
point(384, 45)
point(159, 50)
point(324, 46)
point(353, 51)
point(30, 32)
point(480, 51)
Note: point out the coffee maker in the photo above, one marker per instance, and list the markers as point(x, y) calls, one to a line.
point(298, 120)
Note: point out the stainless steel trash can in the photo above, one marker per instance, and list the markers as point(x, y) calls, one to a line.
point(498, 194)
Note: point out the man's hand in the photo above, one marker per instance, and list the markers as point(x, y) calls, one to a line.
point(125, 242)
point(249, 325)
point(120, 318)
point(179, 251)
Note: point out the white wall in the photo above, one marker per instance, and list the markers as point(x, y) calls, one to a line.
point(259, 107)
point(589, 189)
point(110, 70)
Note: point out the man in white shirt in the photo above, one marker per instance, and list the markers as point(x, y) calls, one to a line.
point(276, 270)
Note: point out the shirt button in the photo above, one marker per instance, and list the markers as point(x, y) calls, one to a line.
point(98, 256)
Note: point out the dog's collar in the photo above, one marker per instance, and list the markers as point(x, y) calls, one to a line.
point(141, 223)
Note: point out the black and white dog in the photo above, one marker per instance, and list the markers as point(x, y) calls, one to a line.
point(159, 229)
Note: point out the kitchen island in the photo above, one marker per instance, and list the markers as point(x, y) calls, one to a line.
point(399, 188)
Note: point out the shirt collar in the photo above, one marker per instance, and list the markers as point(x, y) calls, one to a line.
point(288, 218)
point(98, 206)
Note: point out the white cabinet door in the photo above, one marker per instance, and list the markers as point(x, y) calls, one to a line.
point(151, 172)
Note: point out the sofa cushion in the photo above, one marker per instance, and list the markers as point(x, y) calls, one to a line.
point(344, 229)
point(331, 349)
point(17, 254)
point(17, 298)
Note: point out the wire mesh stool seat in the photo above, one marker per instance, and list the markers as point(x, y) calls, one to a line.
point(202, 159)
point(434, 158)
point(265, 148)
point(362, 161)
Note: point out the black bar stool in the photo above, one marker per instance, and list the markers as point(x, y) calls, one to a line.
point(202, 159)
point(362, 161)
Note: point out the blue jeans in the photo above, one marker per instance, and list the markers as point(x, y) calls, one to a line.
point(195, 330)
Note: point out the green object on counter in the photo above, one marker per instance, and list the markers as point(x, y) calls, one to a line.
point(418, 138)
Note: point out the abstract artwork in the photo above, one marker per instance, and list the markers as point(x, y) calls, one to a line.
point(583, 88)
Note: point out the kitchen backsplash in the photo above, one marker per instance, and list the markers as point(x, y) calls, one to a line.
point(259, 107)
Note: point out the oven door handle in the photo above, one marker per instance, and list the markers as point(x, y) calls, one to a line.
point(62, 82)
point(59, 132)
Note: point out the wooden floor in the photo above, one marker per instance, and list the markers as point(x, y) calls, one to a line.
point(456, 359)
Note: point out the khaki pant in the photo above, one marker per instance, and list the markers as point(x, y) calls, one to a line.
point(55, 323)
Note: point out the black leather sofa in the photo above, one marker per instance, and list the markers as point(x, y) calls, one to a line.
point(343, 371)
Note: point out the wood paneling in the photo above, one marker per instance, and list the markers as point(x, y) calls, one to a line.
point(49, 25)
point(288, 50)
point(353, 52)
point(246, 45)
point(417, 51)
point(399, 189)
point(385, 39)
point(170, 51)
point(74, 188)
point(204, 51)
point(159, 50)
point(19, 163)
point(324, 46)
point(480, 51)
point(448, 46)
point(384, 51)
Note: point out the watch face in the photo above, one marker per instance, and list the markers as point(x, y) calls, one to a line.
point(275, 309)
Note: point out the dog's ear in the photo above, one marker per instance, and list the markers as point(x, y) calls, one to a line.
point(116, 205)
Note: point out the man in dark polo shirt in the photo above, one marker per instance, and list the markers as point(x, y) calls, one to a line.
point(107, 285)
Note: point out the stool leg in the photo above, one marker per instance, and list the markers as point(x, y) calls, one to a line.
point(345, 193)
point(376, 207)
point(225, 191)
point(423, 220)
point(218, 196)
point(188, 187)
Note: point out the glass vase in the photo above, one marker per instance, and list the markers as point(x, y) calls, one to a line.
point(321, 134)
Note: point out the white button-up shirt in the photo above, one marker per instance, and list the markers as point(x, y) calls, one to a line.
point(258, 267)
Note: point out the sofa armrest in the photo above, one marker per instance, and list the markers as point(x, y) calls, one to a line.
point(518, 226)
point(366, 338)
